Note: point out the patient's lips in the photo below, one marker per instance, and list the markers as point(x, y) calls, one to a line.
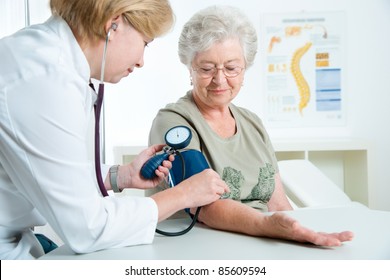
point(217, 91)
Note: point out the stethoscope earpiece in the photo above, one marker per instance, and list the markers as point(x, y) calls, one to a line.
point(114, 26)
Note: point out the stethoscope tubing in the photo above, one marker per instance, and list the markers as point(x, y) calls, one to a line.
point(98, 107)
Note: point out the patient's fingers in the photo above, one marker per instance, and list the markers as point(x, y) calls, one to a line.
point(326, 239)
point(291, 229)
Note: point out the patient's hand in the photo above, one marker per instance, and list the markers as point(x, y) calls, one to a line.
point(280, 225)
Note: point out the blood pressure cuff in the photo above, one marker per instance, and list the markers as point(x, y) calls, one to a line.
point(194, 162)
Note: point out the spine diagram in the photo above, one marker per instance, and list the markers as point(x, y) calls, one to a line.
point(303, 86)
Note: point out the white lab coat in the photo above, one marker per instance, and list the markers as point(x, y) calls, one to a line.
point(45, 171)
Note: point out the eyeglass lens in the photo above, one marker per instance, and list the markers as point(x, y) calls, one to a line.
point(229, 72)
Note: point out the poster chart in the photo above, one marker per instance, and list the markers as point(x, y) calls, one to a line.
point(303, 60)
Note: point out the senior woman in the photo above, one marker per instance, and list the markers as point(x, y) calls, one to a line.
point(218, 44)
point(46, 104)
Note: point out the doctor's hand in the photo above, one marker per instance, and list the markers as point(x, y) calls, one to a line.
point(203, 188)
point(198, 190)
point(129, 176)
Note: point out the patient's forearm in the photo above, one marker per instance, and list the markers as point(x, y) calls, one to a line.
point(230, 215)
point(234, 216)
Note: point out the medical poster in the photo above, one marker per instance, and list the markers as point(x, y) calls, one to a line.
point(303, 60)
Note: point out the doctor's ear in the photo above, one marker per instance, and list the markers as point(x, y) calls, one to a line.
point(112, 25)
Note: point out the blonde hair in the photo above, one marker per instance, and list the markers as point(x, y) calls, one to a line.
point(87, 18)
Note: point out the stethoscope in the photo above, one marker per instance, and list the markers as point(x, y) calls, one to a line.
point(98, 107)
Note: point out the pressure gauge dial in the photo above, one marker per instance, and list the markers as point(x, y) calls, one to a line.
point(178, 137)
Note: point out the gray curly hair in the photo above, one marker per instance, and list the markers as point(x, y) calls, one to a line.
point(216, 24)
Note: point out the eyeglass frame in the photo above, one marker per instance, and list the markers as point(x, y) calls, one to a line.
point(215, 71)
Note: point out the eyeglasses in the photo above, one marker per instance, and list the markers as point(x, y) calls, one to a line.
point(228, 71)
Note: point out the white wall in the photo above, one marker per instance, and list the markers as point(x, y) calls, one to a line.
point(369, 88)
point(131, 105)
point(12, 14)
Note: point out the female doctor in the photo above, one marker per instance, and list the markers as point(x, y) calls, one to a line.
point(46, 104)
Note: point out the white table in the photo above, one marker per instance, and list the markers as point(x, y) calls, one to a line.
point(371, 229)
